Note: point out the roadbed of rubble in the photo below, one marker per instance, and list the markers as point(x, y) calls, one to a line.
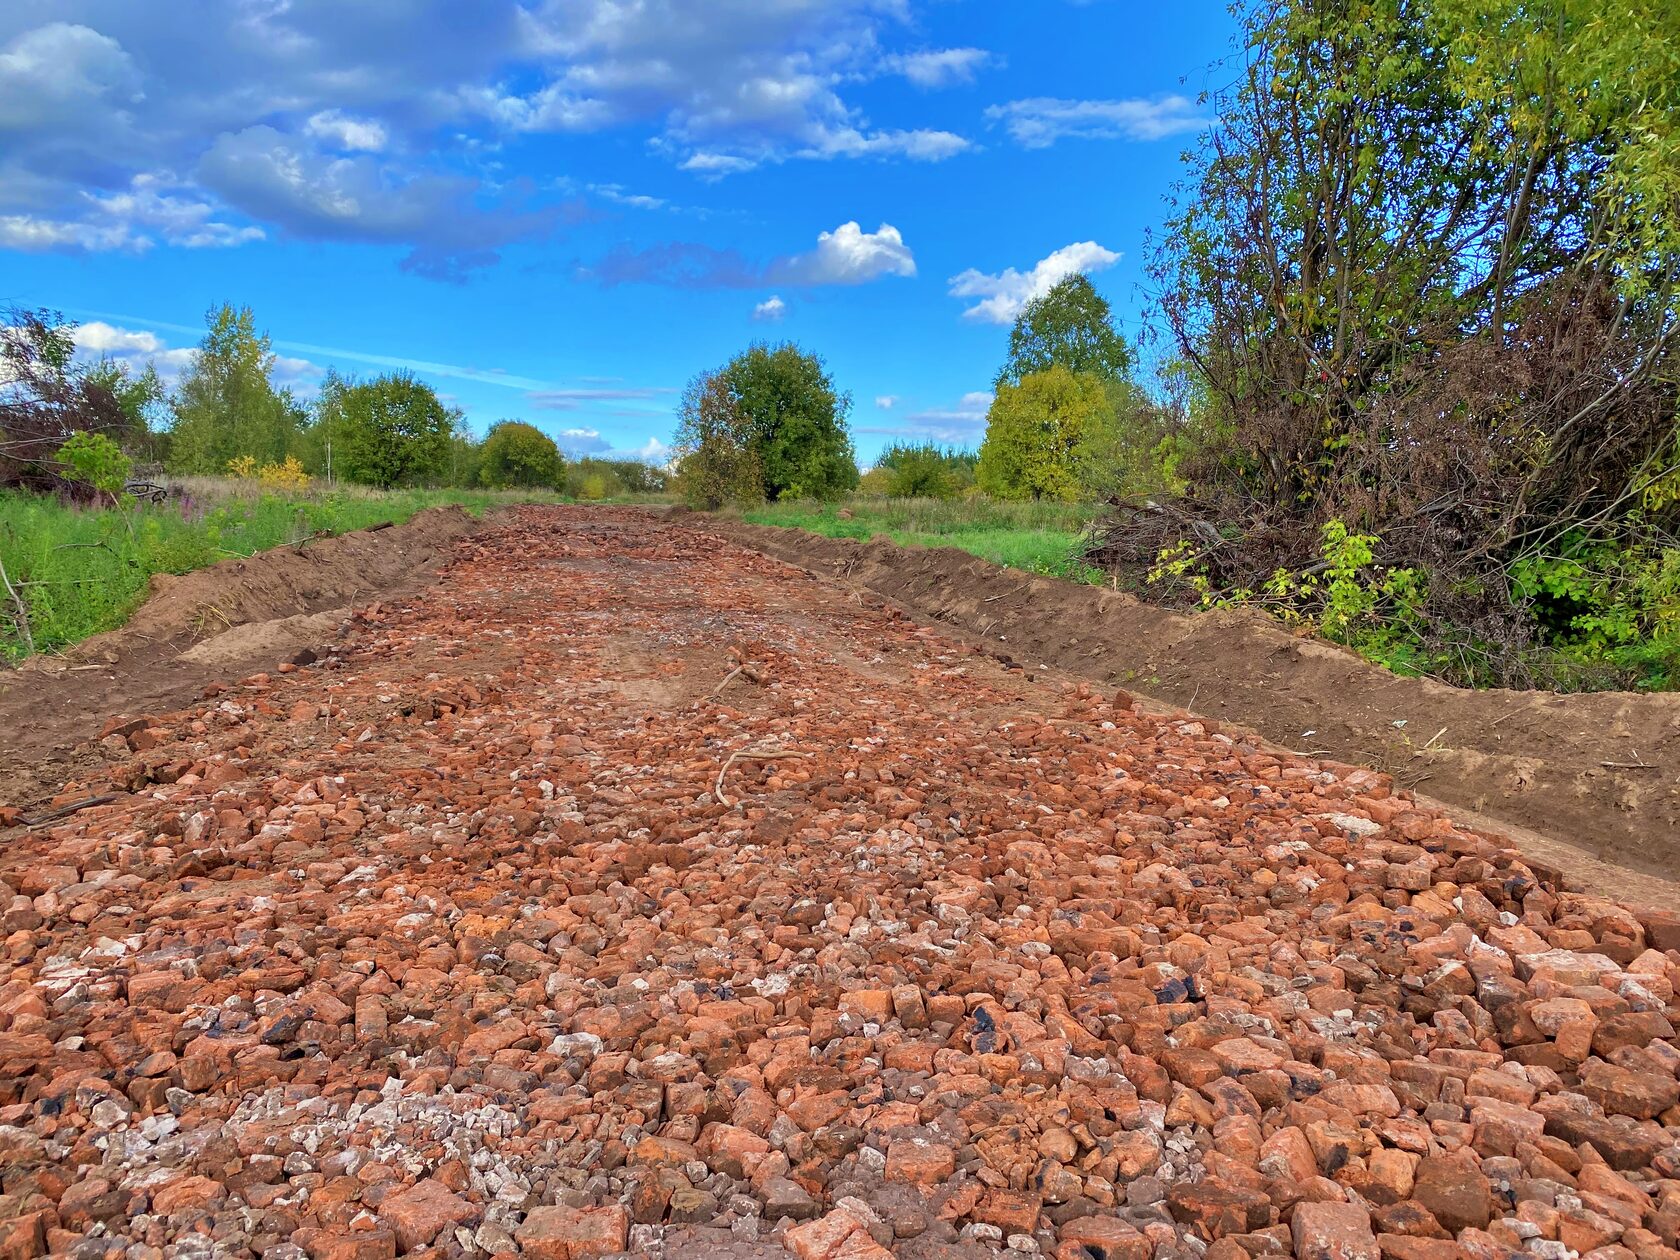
point(629, 892)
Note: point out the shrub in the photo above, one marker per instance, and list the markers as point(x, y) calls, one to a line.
point(520, 454)
point(1043, 436)
point(288, 474)
point(97, 461)
point(926, 471)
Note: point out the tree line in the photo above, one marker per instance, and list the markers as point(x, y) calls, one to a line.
point(226, 415)
point(1068, 421)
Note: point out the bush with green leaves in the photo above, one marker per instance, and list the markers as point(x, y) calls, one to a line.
point(925, 471)
point(769, 422)
point(520, 454)
point(97, 461)
point(1044, 436)
point(390, 431)
point(1427, 271)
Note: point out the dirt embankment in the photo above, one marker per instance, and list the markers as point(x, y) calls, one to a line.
point(1598, 773)
point(239, 615)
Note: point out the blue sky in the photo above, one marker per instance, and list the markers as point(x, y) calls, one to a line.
point(560, 210)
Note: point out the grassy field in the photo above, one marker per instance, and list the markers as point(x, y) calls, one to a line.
point(83, 570)
point(1036, 537)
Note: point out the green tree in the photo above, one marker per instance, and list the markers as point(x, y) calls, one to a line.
point(466, 455)
point(141, 396)
point(795, 421)
point(45, 397)
point(925, 471)
point(716, 460)
point(393, 430)
point(520, 454)
point(1045, 435)
point(1428, 269)
point(226, 406)
point(1070, 326)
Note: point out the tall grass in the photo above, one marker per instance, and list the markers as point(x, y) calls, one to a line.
point(1038, 537)
point(84, 570)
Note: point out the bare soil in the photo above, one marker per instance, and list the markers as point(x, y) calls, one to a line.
point(1599, 773)
point(233, 617)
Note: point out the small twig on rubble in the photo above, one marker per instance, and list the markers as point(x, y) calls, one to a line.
point(1437, 735)
point(747, 670)
point(748, 754)
point(1521, 708)
point(1628, 765)
point(64, 811)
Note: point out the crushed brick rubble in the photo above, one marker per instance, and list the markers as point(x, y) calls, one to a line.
point(450, 943)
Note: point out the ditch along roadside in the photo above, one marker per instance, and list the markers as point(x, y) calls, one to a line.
point(1588, 784)
point(242, 614)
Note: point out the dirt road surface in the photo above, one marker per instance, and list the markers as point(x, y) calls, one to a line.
point(628, 891)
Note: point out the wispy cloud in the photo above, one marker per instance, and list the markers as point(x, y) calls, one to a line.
point(962, 422)
point(429, 367)
point(940, 67)
point(848, 255)
point(575, 399)
point(1040, 121)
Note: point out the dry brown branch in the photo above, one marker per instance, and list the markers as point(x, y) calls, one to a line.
point(64, 811)
point(20, 614)
point(748, 754)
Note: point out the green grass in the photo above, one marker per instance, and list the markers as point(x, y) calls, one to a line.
point(84, 570)
point(1036, 537)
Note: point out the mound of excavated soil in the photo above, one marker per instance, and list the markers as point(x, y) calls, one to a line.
point(1599, 772)
point(241, 614)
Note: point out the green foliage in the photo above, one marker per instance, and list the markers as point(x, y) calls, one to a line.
point(1046, 437)
point(925, 471)
point(717, 456)
point(1345, 596)
point(96, 460)
point(519, 454)
point(389, 431)
point(593, 479)
point(791, 421)
point(1601, 603)
point(1036, 537)
point(225, 405)
point(140, 395)
point(1072, 327)
point(1426, 271)
point(84, 570)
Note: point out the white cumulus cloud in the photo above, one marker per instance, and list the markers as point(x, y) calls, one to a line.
point(32, 234)
point(65, 77)
point(136, 347)
point(1002, 296)
point(849, 255)
point(653, 451)
point(770, 311)
point(886, 402)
